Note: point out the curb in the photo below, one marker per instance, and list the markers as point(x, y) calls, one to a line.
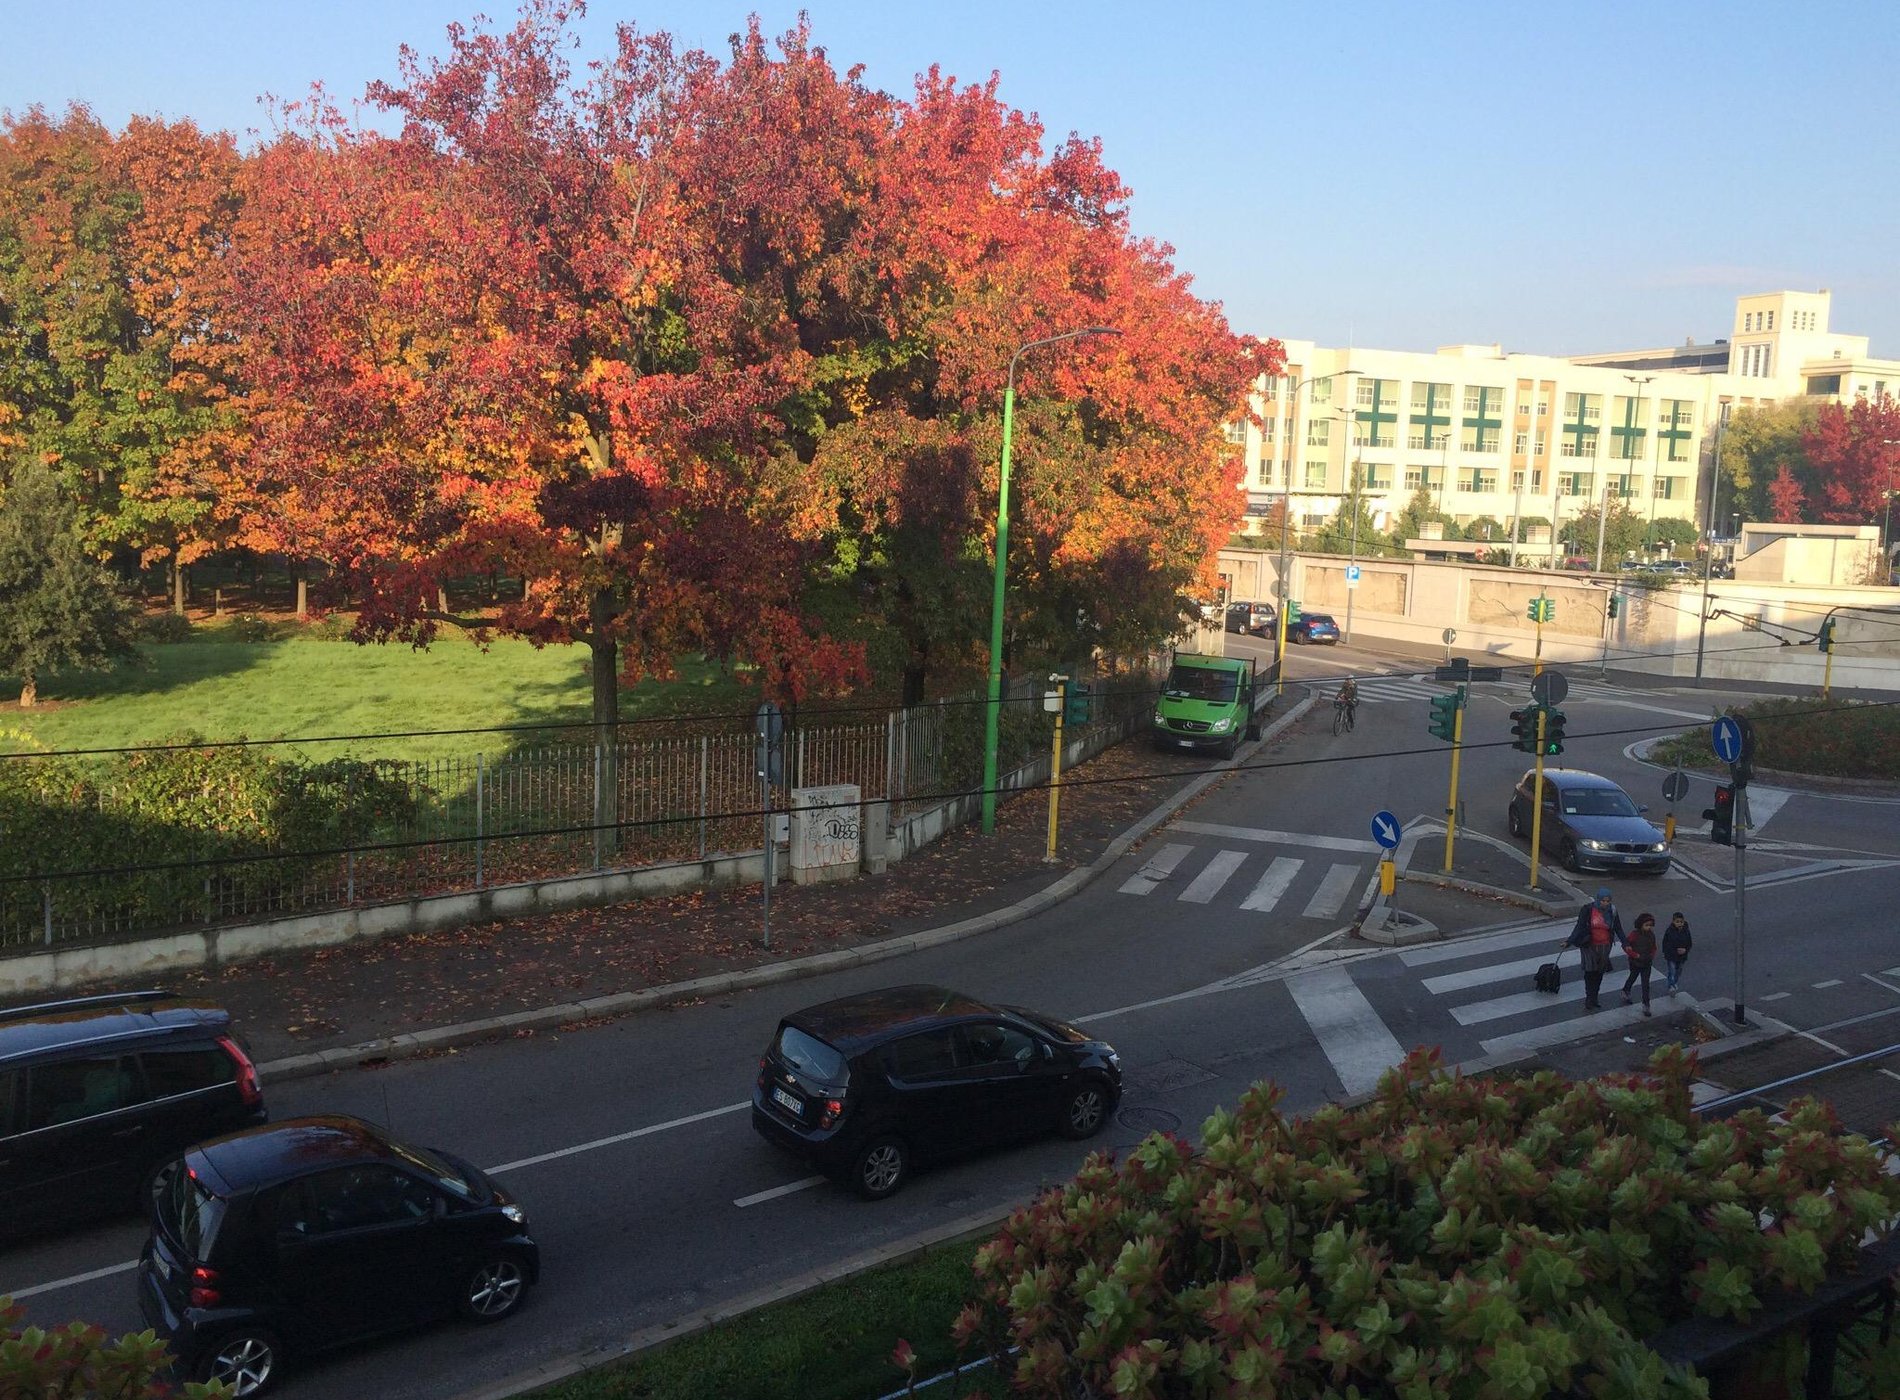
point(388, 1049)
point(1371, 926)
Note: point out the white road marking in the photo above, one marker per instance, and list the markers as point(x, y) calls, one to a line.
point(1831, 982)
point(1280, 838)
point(1549, 933)
point(1218, 872)
point(1160, 865)
point(1568, 1029)
point(1775, 996)
point(787, 1189)
point(618, 1138)
point(1332, 892)
point(1351, 1033)
point(1273, 884)
point(1517, 1004)
point(1763, 803)
point(70, 1281)
point(1479, 976)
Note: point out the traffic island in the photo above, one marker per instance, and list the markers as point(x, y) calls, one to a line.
point(1488, 883)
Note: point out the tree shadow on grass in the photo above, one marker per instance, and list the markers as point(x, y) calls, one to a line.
point(159, 667)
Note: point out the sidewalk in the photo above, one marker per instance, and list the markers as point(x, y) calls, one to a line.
point(569, 966)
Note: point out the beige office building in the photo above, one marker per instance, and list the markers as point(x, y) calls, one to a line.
point(1510, 436)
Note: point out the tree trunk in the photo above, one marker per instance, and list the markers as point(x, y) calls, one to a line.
point(178, 588)
point(29, 691)
point(441, 599)
point(915, 670)
point(303, 596)
point(605, 653)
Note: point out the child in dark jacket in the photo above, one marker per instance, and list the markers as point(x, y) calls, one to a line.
point(1676, 944)
point(1640, 947)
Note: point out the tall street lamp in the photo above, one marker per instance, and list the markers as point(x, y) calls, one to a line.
point(1286, 515)
point(1631, 440)
point(992, 710)
point(1886, 530)
point(1708, 558)
point(1347, 451)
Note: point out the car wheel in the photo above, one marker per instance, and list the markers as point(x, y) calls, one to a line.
point(1516, 822)
point(1231, 747)
point(879, 1168)
point(493, 1289)
point(246, 1361)
point(1567, 853)
point(1085, 1110)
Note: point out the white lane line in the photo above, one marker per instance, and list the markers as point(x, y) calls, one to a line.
point(1332, 892)
point(1218, 872)
point(1518, 1004)
point(787, 1189)
point(1160, 865)
point(1763, 803)
point(1823, 986)
point(1546, 934)
point(1775, 996)
point(1479, 976)
point(1279, 838)
point(1569, 1028)
point(1355, 1040)
point(1273, 884)
point(71, 1281)
point(1674, 872)
point(617, 1138)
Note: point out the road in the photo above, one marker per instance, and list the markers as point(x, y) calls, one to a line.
point(1207, 956)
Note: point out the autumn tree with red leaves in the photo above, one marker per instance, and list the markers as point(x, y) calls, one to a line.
point(1854, 452)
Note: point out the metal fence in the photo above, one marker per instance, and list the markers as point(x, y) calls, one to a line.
point(467, 822)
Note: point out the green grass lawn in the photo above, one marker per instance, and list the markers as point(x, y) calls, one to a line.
point(832, 1344)
point(300, 685)
point(1805, 734)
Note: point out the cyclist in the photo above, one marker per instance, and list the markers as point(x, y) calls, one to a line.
point(1348, 701)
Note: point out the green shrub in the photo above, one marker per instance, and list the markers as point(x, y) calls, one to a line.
point(161, 627)
point(1805, 734)
point(79, 1360)
point(1452, 1236)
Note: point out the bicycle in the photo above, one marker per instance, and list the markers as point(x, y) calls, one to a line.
point(1344, 712)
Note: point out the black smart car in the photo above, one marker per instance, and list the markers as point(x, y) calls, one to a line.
point(313, 1232)
point(867, 1085)
point(96, 1093)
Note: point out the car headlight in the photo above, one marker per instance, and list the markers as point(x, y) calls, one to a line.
point(1221, 726)
point(1114, 1059)
point(1596, 845)
point(514, 1215)
point(1158, 718)
point(1659, 846)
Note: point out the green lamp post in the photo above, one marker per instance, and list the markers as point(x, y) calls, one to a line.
point(993, 710)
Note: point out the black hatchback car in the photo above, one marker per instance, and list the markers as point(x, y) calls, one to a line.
point(314, 1232)
point(96, 1093)
point(866, 1086)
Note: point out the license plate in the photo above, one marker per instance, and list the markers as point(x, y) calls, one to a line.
point(795, 1105)
point(1631, 860)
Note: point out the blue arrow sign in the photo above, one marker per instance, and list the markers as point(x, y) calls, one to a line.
point(1385, 829)
point(1727, 735)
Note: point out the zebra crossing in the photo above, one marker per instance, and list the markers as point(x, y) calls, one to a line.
point(1480, 984)
point(1194, 874)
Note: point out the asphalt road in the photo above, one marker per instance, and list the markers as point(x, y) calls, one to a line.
point(628, 1142)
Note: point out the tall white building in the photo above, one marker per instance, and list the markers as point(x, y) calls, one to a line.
point(1510, 436)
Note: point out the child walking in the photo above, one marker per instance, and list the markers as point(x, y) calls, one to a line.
point(1640, 948)
point(1676, 944)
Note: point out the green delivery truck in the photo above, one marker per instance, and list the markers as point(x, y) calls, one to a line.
point(1207, 702)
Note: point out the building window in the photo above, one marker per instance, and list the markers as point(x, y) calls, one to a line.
point(1537, 480)
point(1435, 478)
point(1543, 408)
point(1378, 478)
point(1322, 391)
point(1520, 442)
point(1771, 320)
point(1316, 475)
point(1542, 444)
point(1414, 478)
point(1266, 431)
point(1319, 432)
point(1665, 488)
point(1517, 481)
point(1362, 393)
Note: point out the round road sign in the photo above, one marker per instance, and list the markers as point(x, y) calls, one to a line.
point(1726, 735)
point(1385, 829)
point(1676, 786)
point(1549, 687)
point(1451, 635)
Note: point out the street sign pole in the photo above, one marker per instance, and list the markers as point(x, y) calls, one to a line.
point(1537, 804)
point(1675, 788)
point(1451, 802)
point(1055, 763)
point(770, 722)
point(1741, 900)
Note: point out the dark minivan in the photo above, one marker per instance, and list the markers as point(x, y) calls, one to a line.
point(96, 1093)
point(867, 1085)
point(313, 1232)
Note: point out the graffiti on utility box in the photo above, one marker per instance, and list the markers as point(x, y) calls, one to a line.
point(826, 843)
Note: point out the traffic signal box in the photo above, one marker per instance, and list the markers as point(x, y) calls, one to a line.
point(1553, 733)
point(1445, 709)
point(1541, 609)
point(1524, 730)
point(1292, 611)
point(1826, 639)
point(1077, 706)
point(1616, 605)
point(1721, 816)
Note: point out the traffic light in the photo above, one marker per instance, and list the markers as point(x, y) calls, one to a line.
point(1826, 639)
point(1445, 715)
point(1524, 729)
point(1553, 733)
point(1541, 609)
point(1616, 605)
point(1722, 816)
point(1292, 611)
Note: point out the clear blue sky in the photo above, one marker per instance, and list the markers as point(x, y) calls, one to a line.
point(1561, 178)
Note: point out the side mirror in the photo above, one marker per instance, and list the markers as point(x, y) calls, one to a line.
point(1642, 807)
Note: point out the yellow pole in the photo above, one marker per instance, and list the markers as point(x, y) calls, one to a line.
point(1537, 659)
point(1451, 804)
point(1537, 792)
point(1827, 676)
point(1669, 828)
point(1279, 654)
point(1055, 767)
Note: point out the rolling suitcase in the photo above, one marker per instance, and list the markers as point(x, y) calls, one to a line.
point(1550, 977)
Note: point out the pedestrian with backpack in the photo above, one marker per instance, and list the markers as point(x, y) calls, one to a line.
point(1598, 931)
point(1676, 944)
point(1641, 949)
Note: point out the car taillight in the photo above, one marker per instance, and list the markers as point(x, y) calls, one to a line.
point(831, 1113)
point(249, 1089)
point(204, 1290)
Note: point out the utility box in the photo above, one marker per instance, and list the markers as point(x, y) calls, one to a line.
point(826, 837)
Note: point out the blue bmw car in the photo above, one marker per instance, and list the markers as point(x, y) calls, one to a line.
point(1590, 824)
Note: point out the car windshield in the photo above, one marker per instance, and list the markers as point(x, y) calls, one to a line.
point(1597, 802)
point(1199, 683)
point(810, 1056)
point(435, 1166)
point(188, 1211)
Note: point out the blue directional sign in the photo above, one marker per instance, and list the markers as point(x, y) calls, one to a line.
point(1352, 573)
point(1385, 829)
point(1727, 735)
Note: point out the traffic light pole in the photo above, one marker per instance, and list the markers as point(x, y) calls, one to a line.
point(1537, 794)
point(1741, 900)
point(1451, 803)
point(1055, 764)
